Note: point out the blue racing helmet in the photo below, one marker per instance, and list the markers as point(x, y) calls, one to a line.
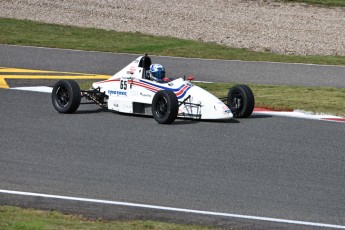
point(157, 72)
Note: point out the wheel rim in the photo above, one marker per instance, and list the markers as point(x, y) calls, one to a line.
point(162, 107)
point(237, 101)
point(62, 96)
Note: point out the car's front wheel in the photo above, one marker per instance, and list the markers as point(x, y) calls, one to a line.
point(66, 96)
point(165, 107)
point(241, 101)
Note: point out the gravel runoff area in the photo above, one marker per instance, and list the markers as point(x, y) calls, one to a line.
point(259, 25)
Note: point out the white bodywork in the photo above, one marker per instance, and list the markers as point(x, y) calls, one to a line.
point(130, 92)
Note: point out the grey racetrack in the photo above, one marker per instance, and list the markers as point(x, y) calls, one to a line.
point(204, 70)
point(264, 166)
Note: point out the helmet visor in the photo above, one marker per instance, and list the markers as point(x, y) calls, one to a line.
point(159, 74)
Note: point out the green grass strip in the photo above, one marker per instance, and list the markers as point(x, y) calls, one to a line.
point(13, 218)
point(340, 3)
point(24, 32)
point(327, 100)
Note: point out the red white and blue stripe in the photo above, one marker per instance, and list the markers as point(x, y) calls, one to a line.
point(180, 91)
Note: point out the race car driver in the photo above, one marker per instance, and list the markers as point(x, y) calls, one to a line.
point(157, 72)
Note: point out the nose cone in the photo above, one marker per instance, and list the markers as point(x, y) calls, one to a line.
point(218, 111)
point(221, 111)
point(211, 107)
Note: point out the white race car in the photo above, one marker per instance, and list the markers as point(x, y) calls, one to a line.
point(131, 91)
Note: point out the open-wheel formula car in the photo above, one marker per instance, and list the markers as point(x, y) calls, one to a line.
point(132, 91)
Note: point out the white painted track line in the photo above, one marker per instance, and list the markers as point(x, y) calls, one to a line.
point(43, 89)
point(163, 208)
point(300, 114)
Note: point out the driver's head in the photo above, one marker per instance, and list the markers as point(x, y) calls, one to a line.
point(157, 72)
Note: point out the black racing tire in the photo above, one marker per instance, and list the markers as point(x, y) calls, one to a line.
point(66, 96)
point(241, 101)
point(165, 107)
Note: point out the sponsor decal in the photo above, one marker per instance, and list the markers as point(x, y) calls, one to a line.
point(226, 109)
point(118, 93)
point(145, 95)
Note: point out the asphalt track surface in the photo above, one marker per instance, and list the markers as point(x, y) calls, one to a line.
point(204, 70)
point(264, 166)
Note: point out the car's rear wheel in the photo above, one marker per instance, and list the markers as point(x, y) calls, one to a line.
point(66, 96)
point(165, 107)
point(241, 101)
